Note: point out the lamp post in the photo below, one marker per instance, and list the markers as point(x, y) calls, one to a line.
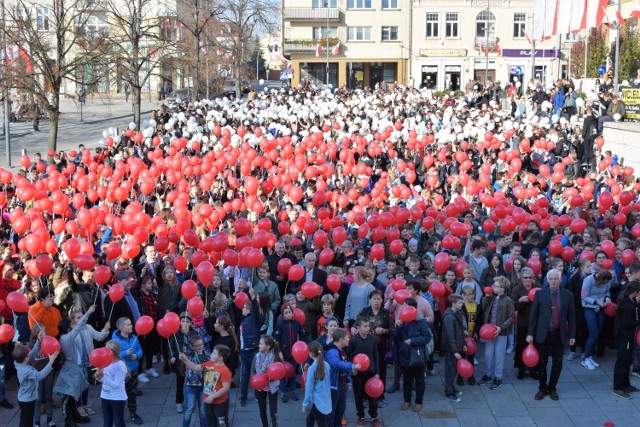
point(327, 38)
point(486, 48)
point(5, 93)
point(616, 71)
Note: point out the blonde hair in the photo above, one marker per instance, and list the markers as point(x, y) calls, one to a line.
point(503, 282)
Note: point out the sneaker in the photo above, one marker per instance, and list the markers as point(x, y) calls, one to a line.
point(179, 408)
point(457, 392)
point(571, 356)
point(135, 418)
point(496, 384)
point(294, 396)
point(153, 373)
point(360, 422)
point(376, 422)
point(285, 397)
point(143, 379)
point(82, 411)
point(475, 362)
point(155, 359)
point(621, 393)
point(631, 389)
point(594, 363)
point(472, 381)
point(587, 364)
point(453, 398)
point(431, 372)
point(89, 410)
point(485, 380)
point(635, 373)
point(510, 349)
point(381, 403)
point(51, 424)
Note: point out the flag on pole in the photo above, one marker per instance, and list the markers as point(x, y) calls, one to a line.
point(25, 53)
point(336, 49)
point(621, 20)
point(318, 49)
point(497, 49)
point(635, 13)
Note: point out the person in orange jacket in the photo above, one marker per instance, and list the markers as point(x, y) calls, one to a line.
point(44, 312)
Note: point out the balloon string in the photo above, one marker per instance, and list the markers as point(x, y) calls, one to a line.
point(34, 319)
point(112, 305)
point(96, 298)
point(176, 340)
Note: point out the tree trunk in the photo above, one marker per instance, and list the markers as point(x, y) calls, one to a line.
point(54, 120)
point(137, 105)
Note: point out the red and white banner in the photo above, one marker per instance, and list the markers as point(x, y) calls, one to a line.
point(336, 49)
point(318, 49)
point(553, 17)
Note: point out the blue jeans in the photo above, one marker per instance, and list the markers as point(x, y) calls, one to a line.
point(595, 321)
point(246, 359)
point(494, 351)
point(192, 397)
point(113, 412)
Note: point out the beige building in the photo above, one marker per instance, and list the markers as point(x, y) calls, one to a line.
point(455, 41)
point(373, 40)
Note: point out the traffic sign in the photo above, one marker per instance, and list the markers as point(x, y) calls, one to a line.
point(602, 69)
point(518, 71)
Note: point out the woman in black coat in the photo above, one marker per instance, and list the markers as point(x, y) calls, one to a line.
point(575, 286)
point(626, 324)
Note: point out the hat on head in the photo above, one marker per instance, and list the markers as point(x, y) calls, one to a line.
point(186, 315)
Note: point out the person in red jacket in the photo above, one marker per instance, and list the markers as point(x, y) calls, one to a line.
point(7, 285)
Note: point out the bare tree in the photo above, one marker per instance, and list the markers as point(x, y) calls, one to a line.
point(137, 42)
point(45, 36)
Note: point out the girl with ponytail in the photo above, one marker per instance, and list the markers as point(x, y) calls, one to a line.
point(317, 393)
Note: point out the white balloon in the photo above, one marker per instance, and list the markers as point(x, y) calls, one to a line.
point(261, 81)
point(132, 126)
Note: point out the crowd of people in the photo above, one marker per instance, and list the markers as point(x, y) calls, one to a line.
point(384, 228)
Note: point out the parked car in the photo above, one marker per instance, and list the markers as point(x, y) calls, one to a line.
point(177, 96)
point(230, 87)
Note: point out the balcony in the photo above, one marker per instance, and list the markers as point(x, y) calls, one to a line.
point(293, 46)
point(311, 14)
point(481, 42)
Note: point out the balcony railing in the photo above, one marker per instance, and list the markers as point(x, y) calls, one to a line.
point(311, 14)
point(309, 45)
point(481, 42)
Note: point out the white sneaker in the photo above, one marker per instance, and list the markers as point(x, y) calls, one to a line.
point(155, 359)
point(475, 362)
point(587, 364)
point(571, 356)
point(594, 363)
point(143, 378)
point(179, 408)
point(510, 349)
point(153, 373)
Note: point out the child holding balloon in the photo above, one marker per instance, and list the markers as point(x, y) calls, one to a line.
point(452, 344)
point(288, 331)
point(130, 352)
point(39, 360)
point(268, 353)
point(340, 375)
point(364, 344)
point(29, 378)
point(113, 394)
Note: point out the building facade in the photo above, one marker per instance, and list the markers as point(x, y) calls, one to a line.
point(357, 43)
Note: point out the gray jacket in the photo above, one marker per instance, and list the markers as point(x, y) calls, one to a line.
point(72, 380)
point(29, 378)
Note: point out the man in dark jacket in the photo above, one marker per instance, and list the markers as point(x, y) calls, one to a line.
point(626, 323)
point(552, 322)
point(452, 344)
point(280, 252)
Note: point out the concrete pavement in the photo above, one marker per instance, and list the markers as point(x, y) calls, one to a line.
point(585, 400)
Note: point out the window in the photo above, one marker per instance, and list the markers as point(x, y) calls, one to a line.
point(389, 4)
point(432, 25)
point(359, 4)
point(519, 25)
point(451, 24)
point(359, 33)
point(42, 18)
point(485, 20)
point(319, 4)
point(571, 37)
point(321, 32)
point(389, 34)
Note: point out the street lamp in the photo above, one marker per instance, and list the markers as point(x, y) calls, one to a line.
point(327, 38)
point(5, 94)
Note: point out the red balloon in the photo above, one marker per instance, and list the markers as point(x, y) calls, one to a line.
point(259, 381)
point(488, 290)
point(374, 387)
point(408, 314)
point(334, 282)
point(299, 316)
point(18, 302)
point(144, 325)
point(101, 357)
point(6, 333)
point(471, 344)
point(296, 273)
point(283, 266)
point(362, 360)
point(464, 368)
point(377, 252)
point(535, 265)
point(610, 310)
point(437, 289)
point(310, 289)
point(195, 306)
point(530, 356)
point(276, 371)
point(49, 346)
point(290, 370)
point(240, 300)
point(488, 331)
point(205, 273)
point(441, 262)
point(532, 293)
point(189, 289)
point(568, 254)
point(300, 351)
point(180, 264)
point(628, 256)
point(84, 262)
point(401, 295)
point(172, 322)
point(397, 284)
point(608, 247)
point(71, 248)
point(102, 274)
point(44, 263)
point(116, 293)
point(162, 329)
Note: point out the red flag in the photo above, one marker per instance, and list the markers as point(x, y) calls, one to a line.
point(25, 53)
point(318, 49)
point(497, 49)
point(635, 13)
point(336, 49)
point(620, 19)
